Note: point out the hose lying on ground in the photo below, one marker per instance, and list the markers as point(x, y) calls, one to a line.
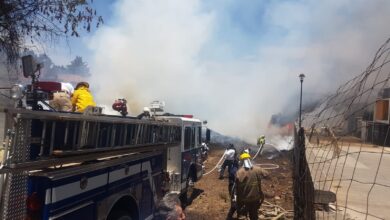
point(282, 212)
point(268, 166)
point(271, 166)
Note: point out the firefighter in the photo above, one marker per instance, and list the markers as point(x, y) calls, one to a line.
point(61, 99)
point(205, 151)
point(170, 208)
point(82, 97)
point(261, 140)
point(248, 186)
point(229, 156)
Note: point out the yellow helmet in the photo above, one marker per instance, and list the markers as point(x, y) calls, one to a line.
point(244, 156)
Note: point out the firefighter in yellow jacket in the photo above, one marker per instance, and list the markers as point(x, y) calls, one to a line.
point(261, 140)
point(82, 97)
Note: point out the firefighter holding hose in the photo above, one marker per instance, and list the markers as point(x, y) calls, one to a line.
point(261, 140)
point(229, 156)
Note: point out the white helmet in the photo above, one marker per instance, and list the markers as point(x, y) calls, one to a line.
point(67, 87)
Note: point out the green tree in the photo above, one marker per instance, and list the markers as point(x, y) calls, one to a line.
point(50, 70)
point(78, 66)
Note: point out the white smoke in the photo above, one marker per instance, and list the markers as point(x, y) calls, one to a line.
point(153, 50)
point(281, 142)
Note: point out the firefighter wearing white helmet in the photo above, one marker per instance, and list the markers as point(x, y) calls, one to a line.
point(61, 99)
point(248, 187)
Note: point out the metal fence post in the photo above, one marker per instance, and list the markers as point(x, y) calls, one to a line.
point(302, 183)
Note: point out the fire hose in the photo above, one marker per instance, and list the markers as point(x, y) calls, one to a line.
point(269, 166)
point(216, 166)
point(258, 151)
point(281, 213)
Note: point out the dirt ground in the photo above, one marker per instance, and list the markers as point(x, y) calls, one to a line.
point(211, 199)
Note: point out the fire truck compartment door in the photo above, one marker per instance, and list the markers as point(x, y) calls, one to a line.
point(173, 159)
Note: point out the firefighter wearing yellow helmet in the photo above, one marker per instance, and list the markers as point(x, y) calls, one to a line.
point(248, 186)
point(245, 155)
point(82, 97)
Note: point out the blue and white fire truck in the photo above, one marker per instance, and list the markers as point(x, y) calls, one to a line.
point(63, 165)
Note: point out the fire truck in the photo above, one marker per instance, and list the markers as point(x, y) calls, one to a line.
point(66, 165)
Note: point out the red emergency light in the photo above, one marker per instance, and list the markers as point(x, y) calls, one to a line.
point(120, 106)
point(187, 116)
point(48, 86)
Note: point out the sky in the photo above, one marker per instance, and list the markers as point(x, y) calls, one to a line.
point(232, 63)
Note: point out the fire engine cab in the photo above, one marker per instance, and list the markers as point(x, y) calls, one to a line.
point(66, 165)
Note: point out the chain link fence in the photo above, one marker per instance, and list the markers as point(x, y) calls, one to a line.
point(342, 154)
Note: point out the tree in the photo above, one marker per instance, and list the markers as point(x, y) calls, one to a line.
point(78, 66)
point(35, 20)
point(53, 72)
point(50, 70)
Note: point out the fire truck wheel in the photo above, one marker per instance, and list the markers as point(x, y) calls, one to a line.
point(120, 215)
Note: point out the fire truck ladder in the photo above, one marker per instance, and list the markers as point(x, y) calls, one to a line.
point(39, 139)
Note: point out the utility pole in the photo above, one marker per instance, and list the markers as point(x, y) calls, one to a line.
point(301, 77)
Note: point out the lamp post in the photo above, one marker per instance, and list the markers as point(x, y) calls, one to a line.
point(301, 77)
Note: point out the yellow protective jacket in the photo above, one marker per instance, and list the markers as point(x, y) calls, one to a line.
point(261, 141)
point(82, 98)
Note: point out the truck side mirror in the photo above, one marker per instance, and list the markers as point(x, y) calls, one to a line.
point(29, 65)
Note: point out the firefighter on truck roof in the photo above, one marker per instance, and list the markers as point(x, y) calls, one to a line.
point(82, 97)
point(61, 99)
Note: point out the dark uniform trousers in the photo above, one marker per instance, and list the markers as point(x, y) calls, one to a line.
point(252, 209)
point(244, 209)
point(226, 163)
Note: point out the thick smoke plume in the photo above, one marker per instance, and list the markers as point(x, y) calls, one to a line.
point(173, 51)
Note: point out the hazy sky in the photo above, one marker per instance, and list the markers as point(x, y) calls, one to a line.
point(233, 63)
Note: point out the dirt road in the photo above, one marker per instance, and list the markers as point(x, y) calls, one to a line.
point(211, 199)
